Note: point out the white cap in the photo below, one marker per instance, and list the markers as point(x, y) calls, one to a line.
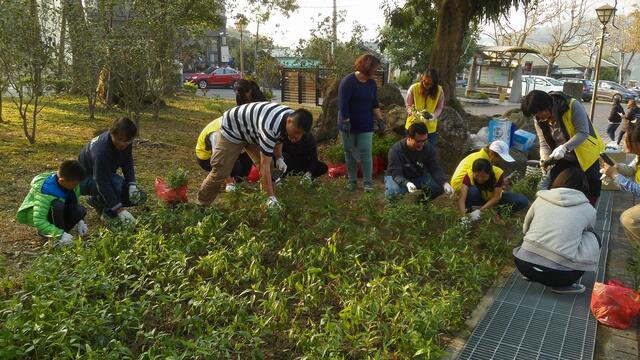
point(502, 149)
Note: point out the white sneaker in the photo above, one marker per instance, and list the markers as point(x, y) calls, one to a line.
point(569, 290)
point(230, 187)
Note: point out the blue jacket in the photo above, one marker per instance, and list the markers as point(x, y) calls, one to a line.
point(356, 101)
point(101, 160)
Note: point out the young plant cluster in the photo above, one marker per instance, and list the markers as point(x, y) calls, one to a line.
point(337, 279)
point(176, 178)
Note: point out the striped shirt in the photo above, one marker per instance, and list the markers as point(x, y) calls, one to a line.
point(261, 123)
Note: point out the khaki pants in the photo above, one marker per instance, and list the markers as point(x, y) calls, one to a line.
point(630, 220)
point(224, 156)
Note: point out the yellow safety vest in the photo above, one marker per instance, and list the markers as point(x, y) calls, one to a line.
point(637, 172)
point(464, 167)
point(589, 151)
point(486, 194)
point(422, 102)
point(203, 146)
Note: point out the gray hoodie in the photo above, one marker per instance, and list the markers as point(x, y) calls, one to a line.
point(558, 227)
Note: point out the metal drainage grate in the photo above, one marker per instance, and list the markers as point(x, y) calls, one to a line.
point(528, 321)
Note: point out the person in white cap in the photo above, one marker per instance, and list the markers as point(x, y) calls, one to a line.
point(483, 189)
point(496, 152)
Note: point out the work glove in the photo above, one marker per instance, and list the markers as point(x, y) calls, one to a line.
point(272, 203)
point(230, 187)
point(448, 189)
point(82, 228)
point(281, 165)
point(604, 178)
point(475, 215)
point(126, 217)
point(135, 195)
point(66, 239)
point(411, 187)
point(345, 125)
point(559, 152)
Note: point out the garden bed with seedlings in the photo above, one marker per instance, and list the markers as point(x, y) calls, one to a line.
point(335, 274)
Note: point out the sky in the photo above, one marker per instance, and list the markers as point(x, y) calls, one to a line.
point(288, 31)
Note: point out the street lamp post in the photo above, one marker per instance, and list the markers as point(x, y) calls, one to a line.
point(241, 24)
point(605, 13)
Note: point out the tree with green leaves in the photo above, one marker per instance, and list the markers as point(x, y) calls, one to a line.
point(27, 57)
point(456, 20)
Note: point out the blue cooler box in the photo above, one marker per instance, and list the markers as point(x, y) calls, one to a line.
point(523, 140)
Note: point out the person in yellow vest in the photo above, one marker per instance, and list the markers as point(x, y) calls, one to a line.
point(425, 101)
point(482, 187)
point(496, 152)
point(628, 178)
point(567, 135)
point(204, 149)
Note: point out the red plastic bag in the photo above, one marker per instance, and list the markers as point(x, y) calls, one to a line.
point(614, 304)
point(337, 170)
point(254, 174)
point(170, 196)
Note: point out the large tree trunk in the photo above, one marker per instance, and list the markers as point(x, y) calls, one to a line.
point(454, 17)
point(550, 66)
point(77, 29)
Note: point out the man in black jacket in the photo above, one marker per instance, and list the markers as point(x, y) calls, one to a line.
point(108, 192)
point(302, 158)
point(413, 166)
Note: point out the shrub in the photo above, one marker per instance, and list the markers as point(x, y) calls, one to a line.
point(527, 186)
point(190, 88)
point(335, 153)
point(177, 178)
point(381, 145)
point(404, 79)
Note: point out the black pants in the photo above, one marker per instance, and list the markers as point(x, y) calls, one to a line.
point(547, 276)
point(241, 168)
point(66, 215)
point(611, 131)
point(300, 165)
point(592, 173)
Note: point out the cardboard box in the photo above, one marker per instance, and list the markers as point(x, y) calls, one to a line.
point(523, 140)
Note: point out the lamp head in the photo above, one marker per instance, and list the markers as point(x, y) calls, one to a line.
point(605, 12)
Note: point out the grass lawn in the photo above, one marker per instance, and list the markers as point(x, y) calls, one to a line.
point(333, 275)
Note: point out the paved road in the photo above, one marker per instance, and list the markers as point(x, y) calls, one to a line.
point(600, 116)
point(226, 93)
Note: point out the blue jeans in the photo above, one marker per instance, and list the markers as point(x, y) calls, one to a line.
point(89, 187)
point(424, 183)
point(517, 201)
point(361, 144)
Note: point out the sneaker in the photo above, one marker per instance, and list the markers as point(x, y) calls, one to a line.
point(351, 186)
point(569, 290)
point(368, 188)
point(230, 188)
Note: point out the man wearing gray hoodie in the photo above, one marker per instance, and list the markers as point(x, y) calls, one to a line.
point(557, 253)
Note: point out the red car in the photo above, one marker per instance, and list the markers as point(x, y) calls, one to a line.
point(215, 77)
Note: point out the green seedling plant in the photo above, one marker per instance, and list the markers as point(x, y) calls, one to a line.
point(177, 178)
point(318, 279)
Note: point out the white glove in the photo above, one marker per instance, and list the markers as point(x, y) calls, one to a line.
point(281, 165)
point(273, 203)
point(82, 227)
point(231, 187)
point(65, 240)
point(448, 189)
point(475, 215)
point(126, 216)
point(411, 187)
point(134, 193)
point(464, 221)
point(559, 152)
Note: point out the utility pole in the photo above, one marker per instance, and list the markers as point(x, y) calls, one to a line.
point(334, 26)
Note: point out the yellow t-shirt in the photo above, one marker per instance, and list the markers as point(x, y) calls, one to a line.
point(465, 166)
